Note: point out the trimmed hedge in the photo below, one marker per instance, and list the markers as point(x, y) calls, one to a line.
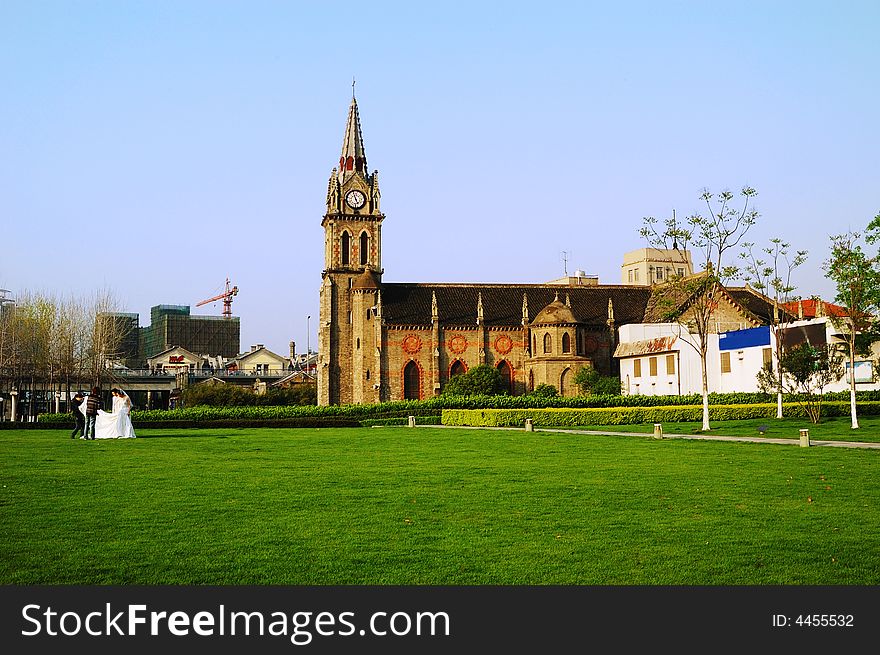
point(570, 417)
point(434, 406)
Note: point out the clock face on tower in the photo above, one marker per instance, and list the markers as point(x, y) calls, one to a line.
point(355, 199)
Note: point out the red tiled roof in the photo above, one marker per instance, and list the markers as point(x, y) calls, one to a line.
point(829, 309)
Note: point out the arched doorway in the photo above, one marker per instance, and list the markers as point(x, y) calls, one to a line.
point(565, 383)
point(412, 381)
point(506, 376)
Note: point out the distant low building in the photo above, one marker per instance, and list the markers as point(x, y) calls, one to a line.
point(260, 360)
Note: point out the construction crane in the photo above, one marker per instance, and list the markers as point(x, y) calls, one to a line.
point(226, 297)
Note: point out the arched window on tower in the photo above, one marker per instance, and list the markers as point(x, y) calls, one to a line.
point(346, 248)
point(506, 376)
point(364, 247)
point(566, 343)
point(548, 343)
point(411, 381)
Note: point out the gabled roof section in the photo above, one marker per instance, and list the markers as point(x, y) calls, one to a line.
point(259, 351)
point(758, 304)
point(296, 376)
point(668, 301)
point(405, 303)
point(173, 349)
point(672, 300)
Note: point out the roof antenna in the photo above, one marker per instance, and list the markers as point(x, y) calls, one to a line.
point(565, 263)
point(674, 231)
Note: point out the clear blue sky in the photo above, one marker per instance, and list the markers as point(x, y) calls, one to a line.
point(153, 148)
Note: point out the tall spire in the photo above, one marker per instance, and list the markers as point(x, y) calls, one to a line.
point(353, 157)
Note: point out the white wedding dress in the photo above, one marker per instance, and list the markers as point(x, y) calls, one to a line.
point(115, 425)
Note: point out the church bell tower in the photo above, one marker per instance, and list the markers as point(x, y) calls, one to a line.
point(352, 273)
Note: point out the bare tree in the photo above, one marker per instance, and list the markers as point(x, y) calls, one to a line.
point(773, 275)
point(692, 301)
point(107, 337)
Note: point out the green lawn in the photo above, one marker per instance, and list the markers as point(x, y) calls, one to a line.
point(432, 506)
point(832, 428)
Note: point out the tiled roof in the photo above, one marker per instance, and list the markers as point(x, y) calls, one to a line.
point(810, 308)
point(406, 303)
point(666, 298)
point(755, 302)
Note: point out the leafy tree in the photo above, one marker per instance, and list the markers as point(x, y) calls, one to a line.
point(691, 301)
point(483, 380)
point(807, 370)
point(773, 276)
point(857, 279)
point(591, 381)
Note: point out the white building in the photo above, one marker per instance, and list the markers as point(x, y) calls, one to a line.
point(662, 358)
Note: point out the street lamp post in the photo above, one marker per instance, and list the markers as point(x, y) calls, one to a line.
point(308, 347)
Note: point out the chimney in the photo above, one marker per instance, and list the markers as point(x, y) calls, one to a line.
point(292, 350)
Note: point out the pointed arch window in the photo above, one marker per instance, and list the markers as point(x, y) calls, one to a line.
point(346, 249)
point(364, 247)
point(458, 368)
point(566, 343)
point(411, 381)
point(548, 343)
point(506, 377)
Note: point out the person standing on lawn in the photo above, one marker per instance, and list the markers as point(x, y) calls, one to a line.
point(78, 415)
point(93, 404)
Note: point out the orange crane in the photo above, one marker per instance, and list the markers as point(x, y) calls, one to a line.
point(226, 297)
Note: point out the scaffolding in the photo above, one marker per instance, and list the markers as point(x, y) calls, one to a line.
point(172, 325)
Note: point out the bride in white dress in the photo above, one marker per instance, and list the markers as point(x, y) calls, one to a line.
point(115, 424)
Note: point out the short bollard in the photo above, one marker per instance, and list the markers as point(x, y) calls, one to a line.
point(530, 427)
point(412, 422)
point(805, 438)
point(658, 431)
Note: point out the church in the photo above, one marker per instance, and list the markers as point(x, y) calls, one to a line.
point(381, 341)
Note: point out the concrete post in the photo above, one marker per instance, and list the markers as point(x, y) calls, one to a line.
point(530, 427)
point(805, 438)
point(14, 395)
point(412, 422)
point(658, 430)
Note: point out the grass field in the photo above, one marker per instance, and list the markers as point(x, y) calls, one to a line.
point(832, 428)
point(432, 506)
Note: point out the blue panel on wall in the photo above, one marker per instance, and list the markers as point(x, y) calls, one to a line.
point(739, 339)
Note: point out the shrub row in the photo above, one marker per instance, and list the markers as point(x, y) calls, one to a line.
point(433, 406)
point(569, 417)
